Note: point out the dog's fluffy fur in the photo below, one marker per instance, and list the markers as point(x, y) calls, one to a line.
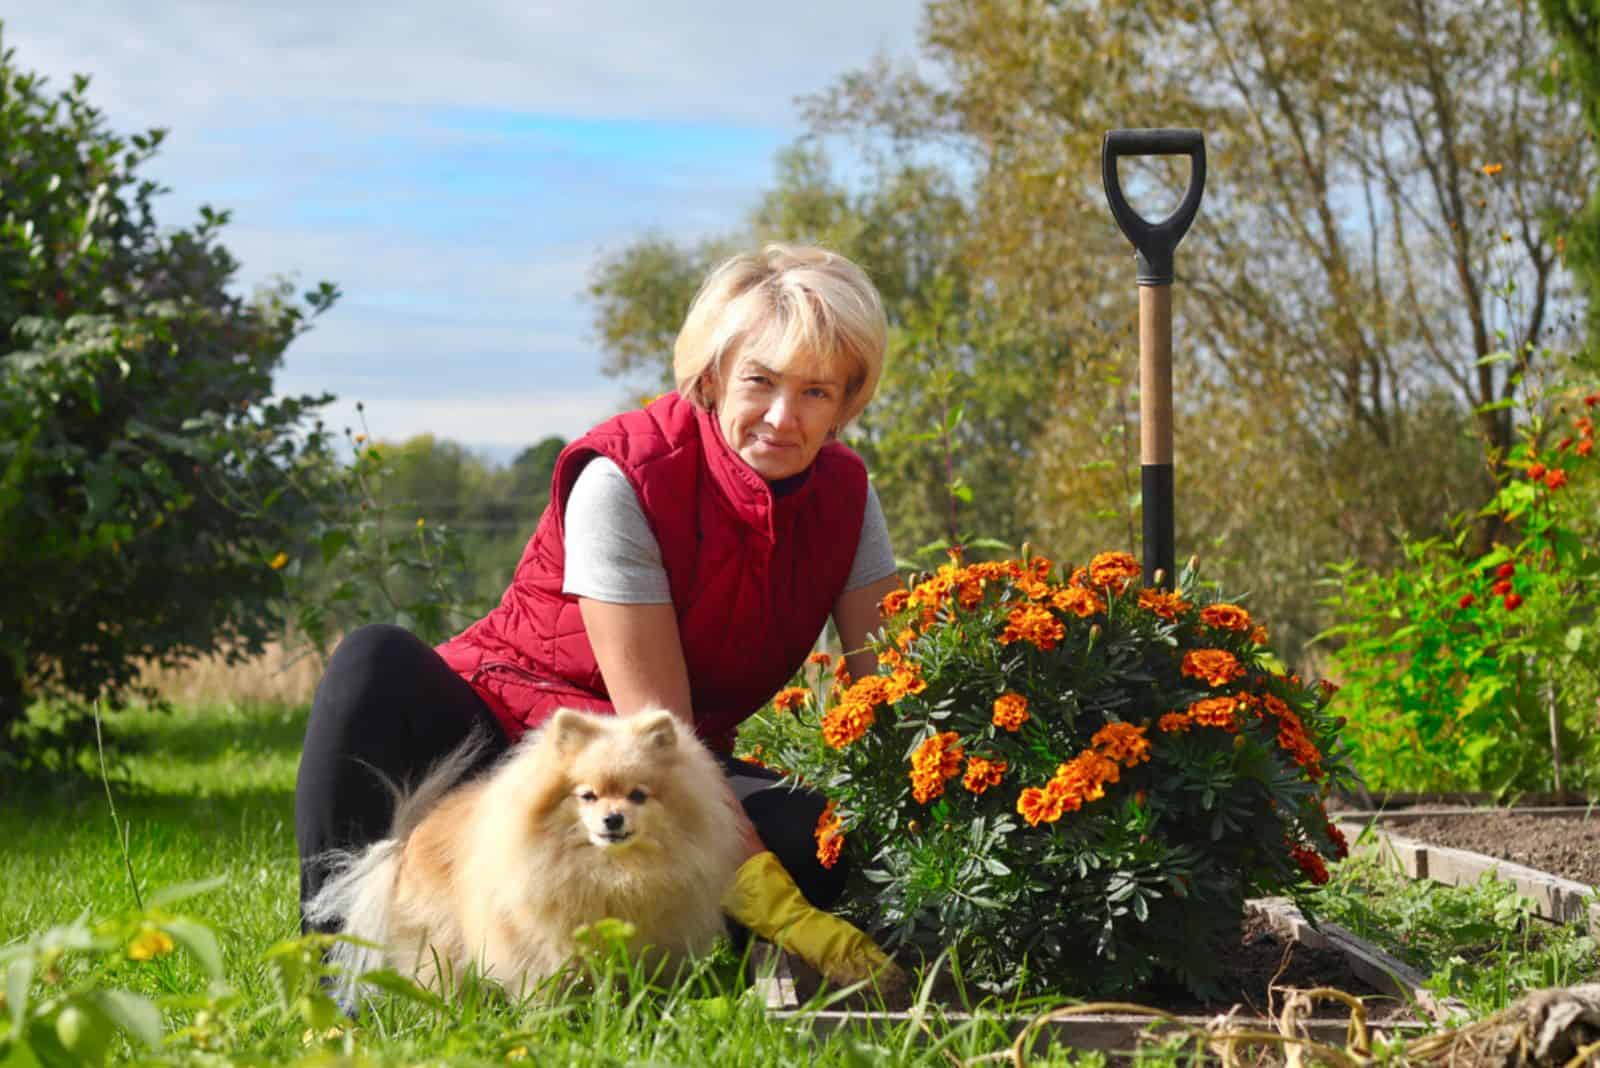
point(593, 816)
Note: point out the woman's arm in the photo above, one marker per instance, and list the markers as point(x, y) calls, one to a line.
point(640, 655)
point(856, 615)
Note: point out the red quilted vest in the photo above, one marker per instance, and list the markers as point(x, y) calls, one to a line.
point(753, 577)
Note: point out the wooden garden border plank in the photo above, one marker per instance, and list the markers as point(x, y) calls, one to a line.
point(1554, 898)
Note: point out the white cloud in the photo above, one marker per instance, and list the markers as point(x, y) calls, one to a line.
point(179, 61)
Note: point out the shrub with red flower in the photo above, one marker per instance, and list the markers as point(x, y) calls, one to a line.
point(1094, 771)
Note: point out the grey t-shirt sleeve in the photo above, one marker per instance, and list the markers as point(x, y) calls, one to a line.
point(612, 554)
point(874, 554)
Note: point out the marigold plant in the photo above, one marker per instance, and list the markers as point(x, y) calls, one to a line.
point(1073, 780)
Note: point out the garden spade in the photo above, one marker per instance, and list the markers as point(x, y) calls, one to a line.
point(1154, 244)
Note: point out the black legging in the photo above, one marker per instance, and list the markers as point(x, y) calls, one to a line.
point(389, 705)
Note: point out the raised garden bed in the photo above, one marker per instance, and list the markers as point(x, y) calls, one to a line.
point(1277, 953)
point(1550, 853)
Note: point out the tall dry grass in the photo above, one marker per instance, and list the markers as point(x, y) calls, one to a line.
point(281, 673)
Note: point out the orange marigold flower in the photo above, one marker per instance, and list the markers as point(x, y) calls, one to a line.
point(1174, 721)
point(1113, 571)
point(1010, 711)
point(1080, 602)
point(1217, 667)
point(830, 838)
point(982, 773)
point(1168, 606)
point(1226, 617)
point(1084, 778)
point(1555, 478)
point(1258, 635)
point(1341, 846)
point(1030, 623)
point(1216, 712)
point(905, 638)
point(1585, 447)
point(969, 592)
point(846, 724)
point(905, 682)
point(790, 698)
point(938, 758)
point(1536, 471)
point(1039, 806)
point(1123, 742)
point(894, 602)
point(819, 659)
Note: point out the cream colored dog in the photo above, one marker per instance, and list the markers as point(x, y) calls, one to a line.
point(591, 817)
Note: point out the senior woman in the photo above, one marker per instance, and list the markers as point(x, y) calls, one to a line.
point(691, 553)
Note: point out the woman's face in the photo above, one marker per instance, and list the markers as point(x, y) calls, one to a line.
point(777, 420)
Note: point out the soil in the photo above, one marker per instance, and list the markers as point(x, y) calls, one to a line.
point(1259, 960)
point(1558, 845)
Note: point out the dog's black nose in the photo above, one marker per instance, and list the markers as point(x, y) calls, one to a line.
point(614, 821)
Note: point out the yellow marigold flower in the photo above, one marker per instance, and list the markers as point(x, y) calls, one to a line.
point(1216, 712)
point(1492, 169)
point(1080, 602)
point(1226, 617)
point(1168, 606)
point(279, 562)
point(1113, 571)
point(151, 942)
point(1124, 742)
point(1174, 721)
point(905, 637)
point(1039, 806)
point(982, 774)
point(1217, 667)
point(790, 698)
point(894, 602)
point(1030, 623)
point(890, 658)
point(1010, 711)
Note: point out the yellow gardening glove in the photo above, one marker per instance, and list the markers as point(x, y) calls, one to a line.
point(765, 899)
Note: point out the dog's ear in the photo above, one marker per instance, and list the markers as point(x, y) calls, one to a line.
point(571, 730)
point(656, 729)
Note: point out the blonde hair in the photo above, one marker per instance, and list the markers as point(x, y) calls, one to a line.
point(789, 302)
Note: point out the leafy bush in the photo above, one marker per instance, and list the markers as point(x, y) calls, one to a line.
point(143, 456)
point(1476, 671)
point(1073, 781)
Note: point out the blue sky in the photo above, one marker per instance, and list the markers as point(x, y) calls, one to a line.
point(458, 169)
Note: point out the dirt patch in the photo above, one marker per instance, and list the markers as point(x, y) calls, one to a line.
point(1259, 960)
point(1568, 846)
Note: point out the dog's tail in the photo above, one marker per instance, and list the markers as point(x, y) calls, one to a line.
point(356, 898)
point(412, 805)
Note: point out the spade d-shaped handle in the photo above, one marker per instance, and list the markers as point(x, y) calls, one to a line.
point(1154, 242)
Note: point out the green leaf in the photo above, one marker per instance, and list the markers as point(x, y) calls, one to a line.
point(199, 940)
point(19, 977)
point(391, 982)
point(168, 896)
point(134, 1015)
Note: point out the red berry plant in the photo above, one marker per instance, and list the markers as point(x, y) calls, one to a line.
point(1471, 670)
point(1072, 780)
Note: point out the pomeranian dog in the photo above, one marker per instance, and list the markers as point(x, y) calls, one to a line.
point(590, 817)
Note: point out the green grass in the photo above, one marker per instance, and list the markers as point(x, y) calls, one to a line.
point(206, 793)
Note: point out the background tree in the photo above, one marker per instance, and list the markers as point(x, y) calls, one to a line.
point(144, 463)
point(1575, 24)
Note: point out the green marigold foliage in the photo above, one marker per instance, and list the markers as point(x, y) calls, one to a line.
point(1073, 781)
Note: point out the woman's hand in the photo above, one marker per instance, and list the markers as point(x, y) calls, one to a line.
point(856, 615)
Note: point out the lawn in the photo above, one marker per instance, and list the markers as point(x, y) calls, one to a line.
point(206, 793)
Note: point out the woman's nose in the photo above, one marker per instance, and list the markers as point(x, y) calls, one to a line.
point(781, 412)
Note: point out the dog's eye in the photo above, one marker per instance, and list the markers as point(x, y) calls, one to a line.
point(637, 797)
point(587, 794)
